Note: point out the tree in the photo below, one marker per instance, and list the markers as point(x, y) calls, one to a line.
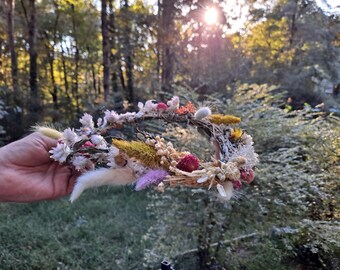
point(9, 6)
point(106, 50)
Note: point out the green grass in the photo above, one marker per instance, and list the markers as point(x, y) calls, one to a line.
point(102, 230)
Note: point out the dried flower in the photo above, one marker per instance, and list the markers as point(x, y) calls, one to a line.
point(173, 104)
point(202, 113)
point(70, 137)
point(161, 107)
point(148, 107)
point(228, 190)
point(152, 177)
point(79, 163)
point(129, 116)
point(220, 119)
point(188, 163)
point(87, 121)
point(111, 157)
point(236, 134)
point(60, 152)
point(111, 117)
point(231, 171)
point(187, 108)
point(247, 176)
point(99, 142)
point(48, 131)
point(237, 184)
point(139, 150)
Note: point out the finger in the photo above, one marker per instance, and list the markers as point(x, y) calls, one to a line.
point(72, 180)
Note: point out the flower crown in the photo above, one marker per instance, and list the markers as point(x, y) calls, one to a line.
point(151, 161)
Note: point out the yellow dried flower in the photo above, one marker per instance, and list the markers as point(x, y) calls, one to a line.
point(139, 150)
point(220, 119)
point(48, 131)
point(236, 134)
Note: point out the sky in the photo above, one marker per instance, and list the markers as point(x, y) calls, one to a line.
point(333, 6)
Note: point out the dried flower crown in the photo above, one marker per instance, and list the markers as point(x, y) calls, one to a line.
point(153, 161)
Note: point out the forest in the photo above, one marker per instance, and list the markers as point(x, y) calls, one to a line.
point(275, 64)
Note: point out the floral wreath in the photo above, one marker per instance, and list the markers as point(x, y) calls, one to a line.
point(152, 161)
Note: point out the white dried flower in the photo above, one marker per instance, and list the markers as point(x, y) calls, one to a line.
point(149, 107)
point(246, 151)
point(99, 141)
point(87, 121)
point(101, 122)
point(60, 152)
point(113, 152)
point(80, 163)
point(129, 116)
point(173, 104)
point(231, 171)
point(70, 137)
point(202, 113)
point(111, 116)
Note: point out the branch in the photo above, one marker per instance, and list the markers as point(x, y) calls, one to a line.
point(195, 250)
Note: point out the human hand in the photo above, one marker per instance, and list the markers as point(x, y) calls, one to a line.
point(27, 173)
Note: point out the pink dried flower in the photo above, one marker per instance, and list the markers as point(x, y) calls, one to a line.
point(152, 177)
point(88, 144)
point(237, 184)
point(189, 163)
point(161, 107)
point(247, 176)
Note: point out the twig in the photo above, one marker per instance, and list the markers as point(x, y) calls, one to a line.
point(195, 250)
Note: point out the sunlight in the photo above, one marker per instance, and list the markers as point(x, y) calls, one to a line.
point(211, 16)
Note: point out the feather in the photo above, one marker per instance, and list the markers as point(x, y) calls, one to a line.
point(100, 177)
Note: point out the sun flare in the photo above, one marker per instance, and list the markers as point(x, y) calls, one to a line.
point(211, 16)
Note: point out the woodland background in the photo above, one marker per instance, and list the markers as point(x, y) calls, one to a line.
point(279, 70)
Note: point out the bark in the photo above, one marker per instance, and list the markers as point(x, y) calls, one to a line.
point(63, 61)
point(51, 57)
point(93, 72)
point(117, 99)
point(34, 106)
point(75, 85)
point(106, 51)
point(128, 55)
point(10, 6)
point(167, 41)
point(32, 36)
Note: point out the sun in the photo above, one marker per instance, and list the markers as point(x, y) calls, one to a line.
point(211, 16)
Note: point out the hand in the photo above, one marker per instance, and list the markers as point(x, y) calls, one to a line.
point(27, 173)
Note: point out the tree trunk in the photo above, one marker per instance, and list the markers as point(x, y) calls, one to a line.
point(34, 102)
point(167, 41)
point(10, 5)
point(106, 51)
point(75, 85)
point(117, 98)
point(128, 55)
point(32, 36)
point(64, 69)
